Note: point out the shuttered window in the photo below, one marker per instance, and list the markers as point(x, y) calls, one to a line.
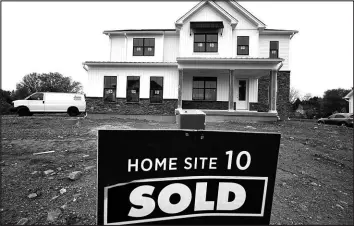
point(133, 88)
point(243, 45)
point(156, 89)
point(109, 88)
point(205, 42)
point(143, 46)
point(274, 49)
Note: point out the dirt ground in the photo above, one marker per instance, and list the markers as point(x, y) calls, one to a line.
point(314, 182)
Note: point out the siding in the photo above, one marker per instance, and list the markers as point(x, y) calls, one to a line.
point(96, 74)
point(170, 48)
point(253, 90)
point(284, 48)
point(243, 22)
point(206, 13)
point(118, 50)
point(222, 92)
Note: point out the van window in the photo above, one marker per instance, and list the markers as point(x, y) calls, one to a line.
point(36, 96)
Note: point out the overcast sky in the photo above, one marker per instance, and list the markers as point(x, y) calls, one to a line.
point(58, 36)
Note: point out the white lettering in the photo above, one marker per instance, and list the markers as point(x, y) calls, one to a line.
point(203, 161)
point(186, 161)
point(136, 197)
point(223, 196)
point(159, 164)
point(238, 159)
point(212, 162)
point(173, 163)
point(132, 165)
point(200, 198)
point(165, 194)
point(143, 162)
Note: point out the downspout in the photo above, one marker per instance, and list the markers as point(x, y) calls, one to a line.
point(126, 47)
point(110, 47)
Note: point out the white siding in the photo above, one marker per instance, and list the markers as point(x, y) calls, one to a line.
point(118, 50)
point(253, 42)
point(253, 90)
point(206, 13)
point(170, 48)
point(284, 42)
point(170, 75)
point(243, 22)
point(222, 89)
point(351, 104)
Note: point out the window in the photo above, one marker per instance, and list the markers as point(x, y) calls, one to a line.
point(133, 86)
point(109, 90)
point(242, 90)
point(156, 89)
point(205, 42)
point(243, 45)
point(339, 116)
point(143, 46)
point(204, 88)
point(274, 49)
point(36, 96)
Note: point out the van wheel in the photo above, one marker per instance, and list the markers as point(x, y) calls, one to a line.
point(73, 111)
point(23, 112)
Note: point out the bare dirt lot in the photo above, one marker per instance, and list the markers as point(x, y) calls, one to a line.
point(314, 182)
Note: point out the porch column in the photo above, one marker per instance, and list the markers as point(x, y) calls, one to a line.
point(231, 90)
point(180, 88)
point(273, 92)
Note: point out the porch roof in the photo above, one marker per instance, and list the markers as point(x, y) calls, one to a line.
point(229, 63)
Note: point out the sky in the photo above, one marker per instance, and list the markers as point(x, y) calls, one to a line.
point(47, 37)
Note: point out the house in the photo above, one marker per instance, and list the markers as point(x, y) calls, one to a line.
point(349, 98)
point(219, 58)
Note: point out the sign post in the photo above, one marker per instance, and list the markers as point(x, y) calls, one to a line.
point(185, 177)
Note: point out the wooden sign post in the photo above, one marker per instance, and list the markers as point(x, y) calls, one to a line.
point(185, 177)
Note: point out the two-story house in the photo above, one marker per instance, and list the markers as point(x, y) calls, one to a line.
point(219, 58)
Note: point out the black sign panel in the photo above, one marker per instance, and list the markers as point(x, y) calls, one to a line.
point(185, 177)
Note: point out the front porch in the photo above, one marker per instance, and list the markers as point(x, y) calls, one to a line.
point(227, 89)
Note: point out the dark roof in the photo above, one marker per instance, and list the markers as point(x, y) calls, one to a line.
point(276, 30)
point(139, 30)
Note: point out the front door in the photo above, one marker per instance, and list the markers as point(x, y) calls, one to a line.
point(241, 94)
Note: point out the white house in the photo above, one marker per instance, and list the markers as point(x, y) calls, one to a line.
point(349, 98)
point(219, 58)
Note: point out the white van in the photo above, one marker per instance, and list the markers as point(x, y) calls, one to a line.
point(42, 102)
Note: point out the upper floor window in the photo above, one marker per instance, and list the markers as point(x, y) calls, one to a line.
point(205, 42)
point(274, 49)
point(156, 89)
point(109, 88)
point(243, 45)
point(143, 46)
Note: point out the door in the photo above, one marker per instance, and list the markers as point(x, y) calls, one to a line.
point(36, 102)
point(241, 94)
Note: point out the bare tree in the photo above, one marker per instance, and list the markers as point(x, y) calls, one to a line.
point(293, 95)
point(306, 97)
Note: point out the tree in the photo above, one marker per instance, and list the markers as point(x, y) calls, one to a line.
point(293, 95)
point(306, 97)
point(52, 82)
point(333, 101)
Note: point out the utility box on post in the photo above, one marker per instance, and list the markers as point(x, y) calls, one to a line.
point(190, 119)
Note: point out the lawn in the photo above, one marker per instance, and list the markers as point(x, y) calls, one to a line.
point(314, 181)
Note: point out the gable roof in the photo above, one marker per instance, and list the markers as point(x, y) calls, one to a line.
point(350, 94)
point(233, 21)
point(246, 13)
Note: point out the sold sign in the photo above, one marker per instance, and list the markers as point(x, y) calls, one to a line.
point(185, 177)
